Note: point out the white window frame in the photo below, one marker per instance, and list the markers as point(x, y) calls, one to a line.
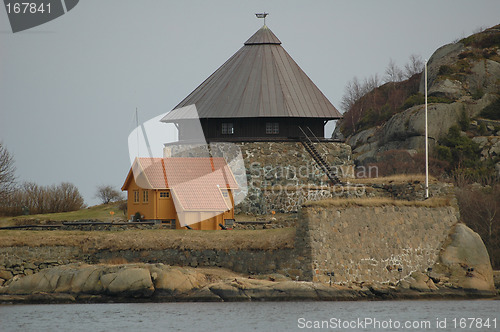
point(227, 128)
point(272, 128)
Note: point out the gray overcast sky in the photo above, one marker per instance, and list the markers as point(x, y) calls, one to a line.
point(69, 88)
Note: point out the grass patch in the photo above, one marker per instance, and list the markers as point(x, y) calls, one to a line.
point(419, 99)
point(158, 239)
point(97, 212)
point(379, 201)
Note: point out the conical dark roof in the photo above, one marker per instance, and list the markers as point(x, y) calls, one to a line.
point(263, 36)
point(260, 80)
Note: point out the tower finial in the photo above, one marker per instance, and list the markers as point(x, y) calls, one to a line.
point(262, 15)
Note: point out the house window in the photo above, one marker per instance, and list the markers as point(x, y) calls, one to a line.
point(272, 128)
point(164, 194)
point(136, 196)
point(227, 128)
point(225, 193)
point(145, 196)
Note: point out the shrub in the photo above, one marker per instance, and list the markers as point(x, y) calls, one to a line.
point(483, 40)
point(492, 111)
point(445, 70)
point(478, 93)
point(107, 194)
point(416, 99)
point(31, 198)
point(419, 99)
point(462, 155)
point(482, 129)
point(402, 162)
point(464, 120)
point(464, 151)
point(444, 153)
point(137, 216)
point(463, 66)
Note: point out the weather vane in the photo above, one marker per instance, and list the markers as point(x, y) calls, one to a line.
point(262, 15)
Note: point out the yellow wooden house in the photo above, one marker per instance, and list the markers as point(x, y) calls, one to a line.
point(182, 192)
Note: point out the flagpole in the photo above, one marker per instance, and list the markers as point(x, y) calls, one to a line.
point(426, 139)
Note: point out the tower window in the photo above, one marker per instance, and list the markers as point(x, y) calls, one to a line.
point(227, 128)
point(272, 128)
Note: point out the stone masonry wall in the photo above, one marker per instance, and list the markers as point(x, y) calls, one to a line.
point(28, 260)
point(370, 244)
point(271, 168)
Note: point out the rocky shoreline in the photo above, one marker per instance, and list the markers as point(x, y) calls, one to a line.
point(83, 283)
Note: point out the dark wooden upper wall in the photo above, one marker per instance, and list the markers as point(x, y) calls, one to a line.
point(249, 128)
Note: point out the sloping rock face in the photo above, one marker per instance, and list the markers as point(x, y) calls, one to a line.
point(130, 281)
point(463, 263)
point(406, 130)
point(465, 74)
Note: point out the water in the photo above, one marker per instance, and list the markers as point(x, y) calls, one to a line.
point(254, 316)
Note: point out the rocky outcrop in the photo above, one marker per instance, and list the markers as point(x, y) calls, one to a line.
point(442, 56)
point(406, 130)
point(462, 76)
point(158, 282)
point(128, 281)
point(391, 260)
point(465, 261)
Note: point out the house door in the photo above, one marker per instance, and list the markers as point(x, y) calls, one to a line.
point(165, 206)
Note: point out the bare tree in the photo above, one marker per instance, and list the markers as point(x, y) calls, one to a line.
point(32, 198)
point(393, 73)
point(352, 93)
point(66, 197)
point(479, 29)
point(108, 194)
point(355, 89)
point(7, 173)
point(414, 66)
point(371, 83)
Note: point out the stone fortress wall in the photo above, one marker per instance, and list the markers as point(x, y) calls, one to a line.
point(372, 243)
point(359, 244)
point(381, 243)
point(281, 176)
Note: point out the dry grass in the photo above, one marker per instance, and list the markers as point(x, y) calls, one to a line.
point(157, 239)
point(397, 179)
point(98, 212)
point(380, 201)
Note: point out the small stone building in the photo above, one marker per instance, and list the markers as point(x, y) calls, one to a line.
point(264, 103)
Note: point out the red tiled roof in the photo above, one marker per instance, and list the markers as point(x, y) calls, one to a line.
point(162, 173)
point(200, 195)
point(196, 183)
